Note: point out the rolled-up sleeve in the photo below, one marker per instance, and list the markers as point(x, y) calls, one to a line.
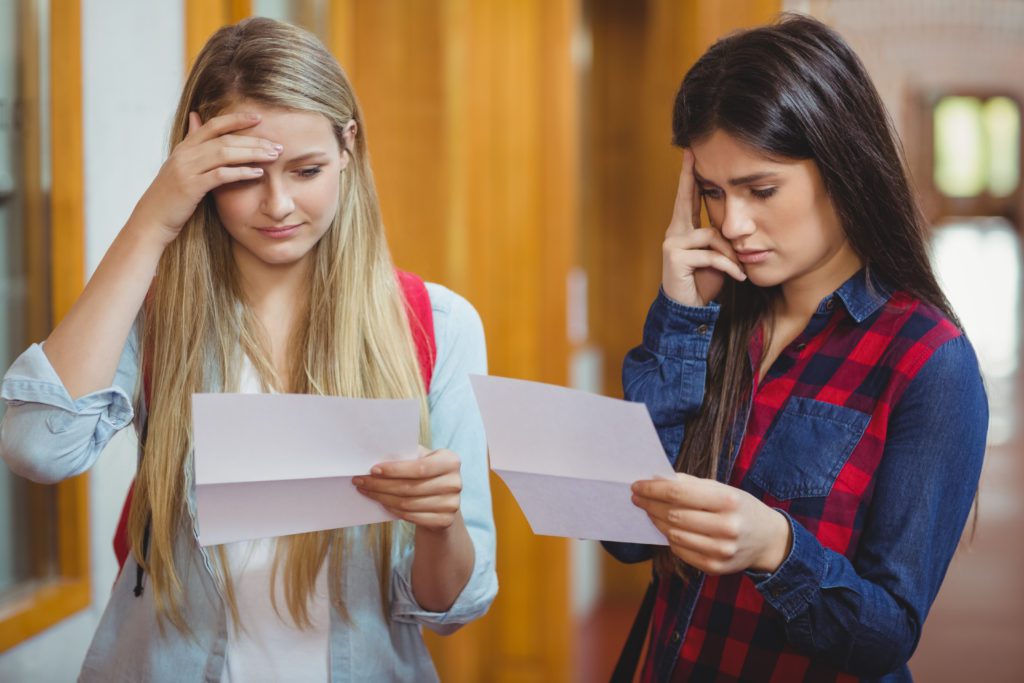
point(667, 374)
point(456, 424)
point(46, 435)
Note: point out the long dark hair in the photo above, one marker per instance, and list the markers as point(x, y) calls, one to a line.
point(794, 89)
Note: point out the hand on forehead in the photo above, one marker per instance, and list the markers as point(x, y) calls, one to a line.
point(301, 133)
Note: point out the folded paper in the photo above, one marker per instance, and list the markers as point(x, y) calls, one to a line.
point(569, 457)
point(279, 464)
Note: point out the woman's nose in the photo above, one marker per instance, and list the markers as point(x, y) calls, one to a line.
point(277, 201)
point(736, 223)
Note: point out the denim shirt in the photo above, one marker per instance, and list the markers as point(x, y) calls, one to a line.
point(47, 437)
point(848, 598)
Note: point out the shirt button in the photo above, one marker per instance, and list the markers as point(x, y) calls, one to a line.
point(776, 591)
point(703, 329)
point(801, 346)
point(674, 638)
point(830, 304)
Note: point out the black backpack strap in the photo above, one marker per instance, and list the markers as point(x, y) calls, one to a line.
point(137, 590)
point(138, 567)
point(625, 668)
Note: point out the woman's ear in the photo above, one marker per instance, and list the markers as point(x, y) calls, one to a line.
point(349, 137)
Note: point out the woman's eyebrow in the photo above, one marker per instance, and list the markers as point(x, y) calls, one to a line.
point(742, 180)
point(315, 153)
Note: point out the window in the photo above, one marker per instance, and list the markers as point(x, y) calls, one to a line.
point(44, 560)
point(977, 146)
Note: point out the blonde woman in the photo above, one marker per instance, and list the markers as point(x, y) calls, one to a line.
point(256, 261)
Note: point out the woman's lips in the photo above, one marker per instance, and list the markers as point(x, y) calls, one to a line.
point(279, 232)
point(752, 256)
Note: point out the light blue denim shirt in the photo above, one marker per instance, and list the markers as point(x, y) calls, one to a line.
point(47, 437)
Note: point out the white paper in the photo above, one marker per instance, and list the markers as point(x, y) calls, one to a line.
point(569, 457)
point(278, 464)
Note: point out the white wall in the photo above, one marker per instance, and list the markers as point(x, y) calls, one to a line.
point(133, 67)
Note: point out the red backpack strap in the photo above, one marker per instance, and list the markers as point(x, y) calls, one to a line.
point(122, 546)
point(421, 322)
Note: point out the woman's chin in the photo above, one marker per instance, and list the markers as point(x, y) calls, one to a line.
point(763, 278)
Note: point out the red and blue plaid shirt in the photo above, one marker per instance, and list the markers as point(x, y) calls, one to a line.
point(868, 433)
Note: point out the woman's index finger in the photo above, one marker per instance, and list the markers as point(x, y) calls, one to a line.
point(695, 203)
point(682, 211)
point(226, 123)
point(684, 491)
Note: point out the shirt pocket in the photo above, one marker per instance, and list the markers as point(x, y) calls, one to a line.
point(806, 449)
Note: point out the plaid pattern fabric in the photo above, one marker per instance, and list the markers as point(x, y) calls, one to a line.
point(721, 628)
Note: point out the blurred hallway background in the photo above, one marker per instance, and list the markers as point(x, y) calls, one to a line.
point(522, 154)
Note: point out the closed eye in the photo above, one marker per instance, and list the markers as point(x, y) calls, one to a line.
point(763, 193)
point(711, 193)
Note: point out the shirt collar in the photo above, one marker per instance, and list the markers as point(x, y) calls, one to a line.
point(862, 295)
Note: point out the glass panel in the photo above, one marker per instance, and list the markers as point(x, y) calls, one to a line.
point(961, 166)
point(309, 14)
point(1002, 123)
point(27, 511)
point(977, 262)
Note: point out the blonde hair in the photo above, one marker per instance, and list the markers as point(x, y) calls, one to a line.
point(353, 341)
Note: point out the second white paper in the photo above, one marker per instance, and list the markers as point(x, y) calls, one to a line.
point(569, 457)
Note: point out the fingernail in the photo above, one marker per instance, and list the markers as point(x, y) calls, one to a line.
point(256, 171)
point(278, 147)
point(272, 153)
point(376, 470)
point(252, 117)
point(357, 481)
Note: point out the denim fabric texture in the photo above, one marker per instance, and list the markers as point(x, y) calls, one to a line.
point(868, 433)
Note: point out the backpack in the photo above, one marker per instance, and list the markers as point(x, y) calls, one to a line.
point(421, 323)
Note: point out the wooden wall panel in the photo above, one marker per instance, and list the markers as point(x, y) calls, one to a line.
point(471, 116)
point(521, 230)
point(68, 262)
point(399, 79)
point(641, 52)
point(204, 17)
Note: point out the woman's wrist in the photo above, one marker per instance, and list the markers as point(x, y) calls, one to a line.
point(148, 234)
point(442, 564)
point(440, 537)
point(778, 545)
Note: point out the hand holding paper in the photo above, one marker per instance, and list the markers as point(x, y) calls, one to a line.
point(569, 457)
point(425, 492)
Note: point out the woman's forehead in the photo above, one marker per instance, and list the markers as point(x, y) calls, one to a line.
point(289, 127)
point(721, 157)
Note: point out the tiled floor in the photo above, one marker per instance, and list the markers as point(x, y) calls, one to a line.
point(975, 632)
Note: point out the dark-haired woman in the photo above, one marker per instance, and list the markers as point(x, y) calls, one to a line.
point(807, 376)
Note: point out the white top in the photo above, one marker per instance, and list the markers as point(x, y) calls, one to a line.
point(271, 647)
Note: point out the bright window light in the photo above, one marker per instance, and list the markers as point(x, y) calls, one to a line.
point(1002, 123)
point(960, 149)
